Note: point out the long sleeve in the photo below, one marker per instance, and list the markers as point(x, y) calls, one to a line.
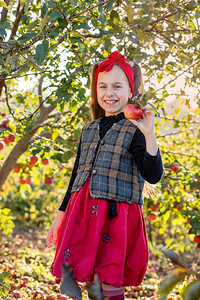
point(150, 167)
point(73, 176)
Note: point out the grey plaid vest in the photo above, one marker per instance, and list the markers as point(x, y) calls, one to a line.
point(113, 171)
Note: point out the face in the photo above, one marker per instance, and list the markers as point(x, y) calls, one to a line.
point(113, 91)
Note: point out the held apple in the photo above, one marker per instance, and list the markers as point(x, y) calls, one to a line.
point(133, 112)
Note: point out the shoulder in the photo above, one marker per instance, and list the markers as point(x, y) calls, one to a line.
point(90, 124)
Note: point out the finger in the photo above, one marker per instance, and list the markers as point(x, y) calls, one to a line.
point(55, 236)
point(49, 238)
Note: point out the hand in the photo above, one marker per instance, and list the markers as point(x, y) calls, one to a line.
point(53, 233)
point(146, 125)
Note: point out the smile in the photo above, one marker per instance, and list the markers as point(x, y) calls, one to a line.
point(110, 101)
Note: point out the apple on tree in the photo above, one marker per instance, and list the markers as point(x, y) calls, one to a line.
point(33, 159)
point(174, 167)
point(48, 180)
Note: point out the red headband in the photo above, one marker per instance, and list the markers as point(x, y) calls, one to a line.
point(120, 60)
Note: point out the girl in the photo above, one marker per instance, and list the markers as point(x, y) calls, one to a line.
point(99, 227)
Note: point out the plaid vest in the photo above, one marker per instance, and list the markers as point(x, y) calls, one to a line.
point(113, 171)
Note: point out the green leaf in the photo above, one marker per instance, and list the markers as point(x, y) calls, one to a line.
point(191, 5)
point(130, 12)
point(26, 37)
point(192, 291)
point(171, 280)
point(66, 156)
point(114, 17)
point(41, 51)
point(5, 25)
point(3, 33)
point(82, 47)
point(54, 16)
point(44, 10)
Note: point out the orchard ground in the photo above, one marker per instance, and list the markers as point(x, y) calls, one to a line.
point(27, 259)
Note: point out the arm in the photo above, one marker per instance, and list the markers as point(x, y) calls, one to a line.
point(145, 150)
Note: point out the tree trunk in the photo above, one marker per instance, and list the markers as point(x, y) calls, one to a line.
point(21, 147)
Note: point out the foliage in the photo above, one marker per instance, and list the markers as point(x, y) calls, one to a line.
point(47, 49)
point(191, 290)
point(6, 221)
point(4, 284)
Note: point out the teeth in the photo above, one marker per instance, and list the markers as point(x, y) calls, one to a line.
point(111, 101)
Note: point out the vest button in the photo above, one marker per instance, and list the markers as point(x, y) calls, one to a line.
point(102, 142)
point(94, 172)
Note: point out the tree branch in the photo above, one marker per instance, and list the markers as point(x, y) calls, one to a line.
point(4, 12)
point(17, 21)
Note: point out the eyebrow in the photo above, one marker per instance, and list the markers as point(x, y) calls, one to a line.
point(117, 82)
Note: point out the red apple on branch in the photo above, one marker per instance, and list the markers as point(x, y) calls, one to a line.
point(174, 167)
point(48, 180)
point(33, 159)
point(133, 112)
point(197, 239)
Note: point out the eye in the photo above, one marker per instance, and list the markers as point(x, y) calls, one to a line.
point(117, 86)
point(102, 87)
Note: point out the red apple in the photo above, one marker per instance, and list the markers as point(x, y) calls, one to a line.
point(22, 181)
point(152, 216)
point(197, 239)
point(16, 169)
point(11, 138)
point(188, 220)
point(174, 167)
point(178, 207)
point(2, 145)
point(5, 123)
point(45, 161)
point(137, 288)
point(151, 270)
point(153, 207)
point(28, 181)
point(58, 280)
point(30, 166)
point(6, 140)
point(16, 295)
point(48, 180)
point(3, 114)
point(133, 112)
point(33, 159)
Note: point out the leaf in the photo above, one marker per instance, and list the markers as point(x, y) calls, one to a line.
point(82, 47)
point(130, 12)
point(26, 37)
point(44, 10)
point(54, 16)
point(193, 291)
point(3, 4)
point(69, 284)
point(94, 289)
point(41, 51)
point(66, 156)
point(174, 257)
point(114, 17)
point(171, 280)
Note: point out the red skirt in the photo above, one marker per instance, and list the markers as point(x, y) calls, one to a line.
point(116, 249)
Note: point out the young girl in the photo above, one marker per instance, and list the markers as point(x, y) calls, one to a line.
point(100, 227)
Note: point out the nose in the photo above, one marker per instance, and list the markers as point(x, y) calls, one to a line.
point(109, 92)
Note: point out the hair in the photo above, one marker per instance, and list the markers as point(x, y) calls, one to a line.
point(96, 110)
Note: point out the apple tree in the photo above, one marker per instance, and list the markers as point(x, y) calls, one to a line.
point(50, 46)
